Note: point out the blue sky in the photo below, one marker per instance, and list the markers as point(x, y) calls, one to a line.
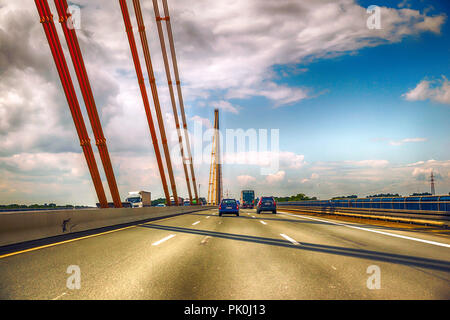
point(359, 102)
point(359, 111)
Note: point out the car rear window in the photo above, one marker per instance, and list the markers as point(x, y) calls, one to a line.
point(266, 199)
point(229, 201)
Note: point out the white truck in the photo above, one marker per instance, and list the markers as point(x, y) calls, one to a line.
point(139, 199)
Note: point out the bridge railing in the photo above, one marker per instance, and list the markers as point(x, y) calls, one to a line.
point(413, 203)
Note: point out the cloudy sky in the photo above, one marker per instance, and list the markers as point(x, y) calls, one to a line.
point(357, 110)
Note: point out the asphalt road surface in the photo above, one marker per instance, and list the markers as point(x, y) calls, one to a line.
point(253, 256)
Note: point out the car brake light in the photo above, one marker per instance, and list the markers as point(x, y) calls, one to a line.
point(259, 203)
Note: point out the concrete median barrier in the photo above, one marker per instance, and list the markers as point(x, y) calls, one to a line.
point(17, 227)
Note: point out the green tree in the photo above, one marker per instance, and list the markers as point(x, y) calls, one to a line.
point(297, 197)
point(353, 196)
point(158, 201)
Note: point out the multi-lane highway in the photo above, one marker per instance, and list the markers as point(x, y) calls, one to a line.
point(253, 256)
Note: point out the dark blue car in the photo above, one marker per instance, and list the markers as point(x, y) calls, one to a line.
point(229, 206)
point(266, 204)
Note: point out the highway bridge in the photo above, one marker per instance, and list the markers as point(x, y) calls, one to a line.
point(199, 255)
point(308, 250)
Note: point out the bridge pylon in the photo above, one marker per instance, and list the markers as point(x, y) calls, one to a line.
point(215, 193)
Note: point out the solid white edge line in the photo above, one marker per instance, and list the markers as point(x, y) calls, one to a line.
point(375, 231)
point(163, 239)
point(61, 295)
point(289, 238)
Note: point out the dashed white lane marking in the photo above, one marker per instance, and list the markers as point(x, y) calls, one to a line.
point(334, 268)
point(376, 231)
point(197, 222)
point(253, 217)
point(205, 240)
point(63, 294)
point(289, 239)
point(163, 239)
point(208, 217)
point(263, 222)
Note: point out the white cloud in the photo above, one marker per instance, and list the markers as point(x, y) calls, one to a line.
point(314, 176)
point(27, 124)
point(245, 179)
point(437, 91)
point(375, 176)
point(280, 94)
point(416, 163)
point(424, 174)
point(421, 173)
point(225, 106)
point(292, 160)
point(61, 177)
point(275, 178)
point(225, 50)
point(46, 177)
point(406, 140)
point(432, 24)
point(234, 46)
point(204, 121)
point(337, 178)
point(285, 159)
point(368, 163)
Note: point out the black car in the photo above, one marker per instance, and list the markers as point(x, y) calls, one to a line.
point(266, 204)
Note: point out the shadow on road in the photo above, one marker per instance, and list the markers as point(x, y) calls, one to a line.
point(265, 217)
point(377, 223)
point(350, 252)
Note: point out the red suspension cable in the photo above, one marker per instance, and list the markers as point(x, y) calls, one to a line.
point(83, 80)
point(151, 76)
point(172, 97)
point(137, 65)
point(46, 19)
point(180, 97)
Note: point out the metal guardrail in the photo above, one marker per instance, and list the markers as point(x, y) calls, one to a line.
point(427, 217)
point(430, 203)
